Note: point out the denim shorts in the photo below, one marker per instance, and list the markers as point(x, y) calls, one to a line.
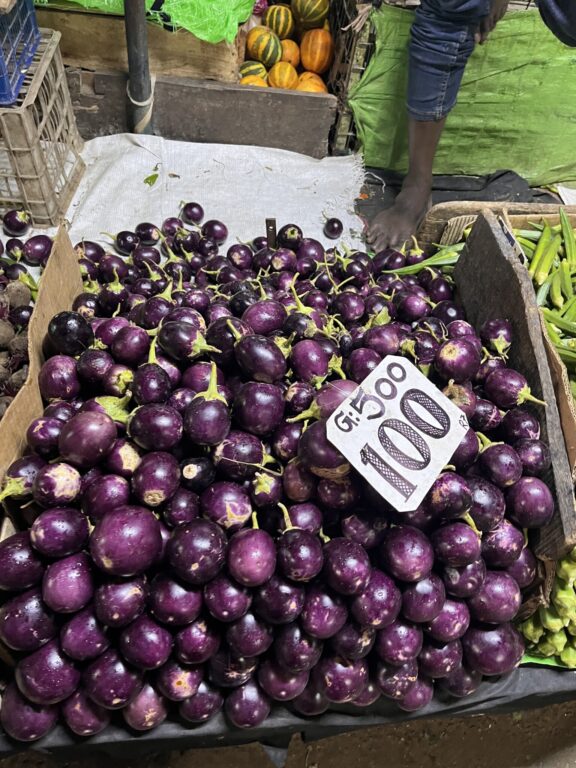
point(442, 40)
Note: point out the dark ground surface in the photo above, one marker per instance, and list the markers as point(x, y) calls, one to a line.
point(544, 738)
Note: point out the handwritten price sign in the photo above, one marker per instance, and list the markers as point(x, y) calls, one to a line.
point(398, 431)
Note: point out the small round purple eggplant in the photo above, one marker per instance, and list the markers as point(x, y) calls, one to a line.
point(172, 602)
point(59, 531)
point(449, 496)
point(497, 601)
point(501, 464)
point(83, 716)
point(451, 623)
point(83, 637)
point(197, 551)
point(466, 580)
point(42, 436)
point(104, 495)
point(422, 601)
point(197, 473)
point(68, 584)
point(534, 455)
point(493, 651)
point(279, 601)
point(508, 388)
point(251, 557)
point(46, 676)
point(311, 702)
point(178, 682)
point(438, 660)
point(181, 508)
point(456, 544)
point(20, 566)
point(155, 427)
point(346, 566)
point(225, 599)
point(488, 504)
point(197, 642)
point(249, 636)
point(399, 642)
point(324, 613)
point(407, 553)
point(379, 604)
point(239, 455)
point(23, 720)
point(260, 358)
point(156, 479)
point(56, 484)
point(300, 556)
point(295, 650)
point(279, 683)
point(530, 503)
point(109, 682)
point(147, 710)
point(25, 622)
point(227, 504)
point(461, 682)
point(457, 359)
point(259, 407)
point(353, 642)
point(145, 644)
point(126, 542)
point(247, 706)
point(204, 705)
point(418, 697)
point(117, 603)
point(396, 681)
point(520, 424)
point(524, 569)
point(502, 545)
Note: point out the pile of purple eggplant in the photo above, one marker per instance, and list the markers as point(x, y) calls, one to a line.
point(18, 291)
point(190, 541)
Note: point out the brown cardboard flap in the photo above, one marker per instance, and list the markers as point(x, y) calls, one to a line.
point(61, 282)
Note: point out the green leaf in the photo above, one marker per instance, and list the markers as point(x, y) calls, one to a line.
point(151, 180)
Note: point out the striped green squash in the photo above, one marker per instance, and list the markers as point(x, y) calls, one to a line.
point(264, 45)
point(310, 14)
point(255, 68)
point(280, 20)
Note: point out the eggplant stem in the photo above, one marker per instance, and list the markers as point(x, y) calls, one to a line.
point(255, 520)
point(286, 515)
point(325, 539)
point(467, 517)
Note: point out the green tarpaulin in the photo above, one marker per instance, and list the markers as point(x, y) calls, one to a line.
point(210, 20)
point(516, 109)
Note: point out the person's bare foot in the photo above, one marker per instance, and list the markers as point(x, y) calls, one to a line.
point(396, 225)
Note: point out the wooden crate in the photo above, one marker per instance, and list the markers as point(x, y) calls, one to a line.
point(491, 282)
point(97, 42)
point(220, 113)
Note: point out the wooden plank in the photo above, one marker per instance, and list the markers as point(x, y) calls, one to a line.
point(204, 111)
point(265, 117)
point(97, 42)
point(491, 282)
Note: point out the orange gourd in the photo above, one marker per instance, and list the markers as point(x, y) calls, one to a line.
point(283, 75)
point(312, 86)
point(254, 80)
point(317, 50)
point(290, 52)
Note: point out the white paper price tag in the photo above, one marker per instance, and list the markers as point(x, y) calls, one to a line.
point(398, 431)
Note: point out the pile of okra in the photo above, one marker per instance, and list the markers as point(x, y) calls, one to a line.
point(551, 252)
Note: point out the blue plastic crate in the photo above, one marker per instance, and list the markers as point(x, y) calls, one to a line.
point(19, 38)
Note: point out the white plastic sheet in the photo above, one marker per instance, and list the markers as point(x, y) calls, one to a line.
point(240, 185)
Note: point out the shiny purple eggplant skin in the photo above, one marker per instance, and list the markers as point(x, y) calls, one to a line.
point(23, 720)
point(172, 602)
point(197, 551)
point(109, 682)
point(59, 531)
point(126, 541)
point(86, 438)
point(156, 479)
point(47, 676)
point(68, 584)
point(117, 603)
point(20, 566)
point(145, 644)
point(83, 716)
point(83, 637)
point(25, 622)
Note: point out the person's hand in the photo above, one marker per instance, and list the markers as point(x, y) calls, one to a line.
point(497, 10)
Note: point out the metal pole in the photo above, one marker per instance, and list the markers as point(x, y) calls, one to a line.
point(140, 91)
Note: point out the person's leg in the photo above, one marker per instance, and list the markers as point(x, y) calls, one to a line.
point(442, 40)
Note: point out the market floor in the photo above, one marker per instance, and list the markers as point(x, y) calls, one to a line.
point(542, 738)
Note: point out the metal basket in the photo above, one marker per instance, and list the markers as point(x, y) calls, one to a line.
point(19, 38)
point(40, 163)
